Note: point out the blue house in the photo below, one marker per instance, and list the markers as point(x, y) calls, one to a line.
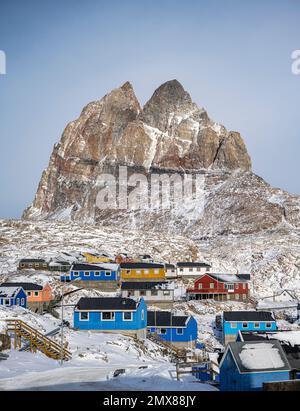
point(112, 315)
point(93, 272)
point(235, 321)
point(10, 296)
point(245, 366)
point(178, 330)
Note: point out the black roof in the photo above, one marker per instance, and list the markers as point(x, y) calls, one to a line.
point(146, 285)
point(109, 303)
point(87, 266)
point(237, 348)
point(25, 286)
point(165, 319)
point(141, 265)
point(32, 260)
point(248, 316)
point(224, 278)
point(254, 335)
point(170, 265)
point(192, 264)
point(293, 355)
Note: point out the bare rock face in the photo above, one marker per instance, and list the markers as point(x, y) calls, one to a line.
point(171, 133)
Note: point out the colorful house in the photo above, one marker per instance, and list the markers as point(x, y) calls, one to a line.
point(142, 271)
point(97, 258)
point(151, 291)
point(90, 274)
point(10, 296)
point(33, 263)
point(245, 366)
point(235, 321)
point(112, 315)
point(220, 287)
point(38, 296)
point(178, 330)
point(190, 269)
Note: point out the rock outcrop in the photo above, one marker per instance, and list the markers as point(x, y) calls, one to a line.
point(170, 133)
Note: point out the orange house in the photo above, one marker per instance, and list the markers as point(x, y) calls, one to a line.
point(38, 297)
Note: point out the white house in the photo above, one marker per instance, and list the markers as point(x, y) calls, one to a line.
point(282, 296)
point(192, 269)
point(151, 291)
point(171, 271)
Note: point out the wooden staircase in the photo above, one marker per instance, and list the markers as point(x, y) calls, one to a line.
point(37, 341)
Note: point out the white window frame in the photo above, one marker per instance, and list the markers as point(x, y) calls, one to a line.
point(200, 286)
point(245, 327)
point(127, 312)
point(29, 293)
point(256, 325)
point(76, 273)
point(179, 329)
point(268, 324)
point(97, 273)
point(84, 319)
point(211, 286)
point(7, 302)
point(86, 273)
point(233, 324)
point(22, 301)
point(146, 271)
point(161, 333)
point(166, 292)
point(113, 315)
point(156, 270)
point(142, 315)
point(107, 273)
point(18, 301)
point(138, 271)
point(36, 293)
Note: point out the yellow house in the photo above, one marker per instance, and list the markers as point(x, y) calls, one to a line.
point(97, 258)
point(142, 271)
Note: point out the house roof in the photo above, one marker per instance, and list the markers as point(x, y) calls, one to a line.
point(231, 278)
point(94, 267)
point(32, 260)
point(192, 264)
point(170, 266)
point(25, 286)
point(107, 303)
point(258, 356)
point(248, 316)
point(9, 292)
point(146, 285)
point(141, 265)
point(165, 319)
point(293, 355)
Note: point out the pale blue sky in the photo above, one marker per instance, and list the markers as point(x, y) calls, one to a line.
point(234, 57)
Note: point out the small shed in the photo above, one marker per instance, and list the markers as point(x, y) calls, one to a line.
point(245, 366)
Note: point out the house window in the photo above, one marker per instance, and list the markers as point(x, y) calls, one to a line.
point(256, 325)
point(22, 301)
point(190, 269)
point(75, 273)
point(146, 271)
point(237, 296)
point(163, 331)
point(107, 274)
point(154, 292)
point(229, 286)
point(245, 325)
point(36, 293)
point(211, 285)
point(156, 271)
point(142, 292)
point(244, 296)
point(86, 273)
point(29, 293)
point(108, 316)
point(84, 316)
point(18, 301)
point(166, 292)
point(30, 265)
point(236, 286)
point(244, 286)
point(180, 269)
point(22, 265)
point(97, 274)
point(142, 315)
point(200, 286)
point(138, 271)
point(198, 268)
point(36, 265)
point(233, 325)
point(44, 265)
point(6, 302)
point(268, 325)
point(179, 331)
point(127, 316)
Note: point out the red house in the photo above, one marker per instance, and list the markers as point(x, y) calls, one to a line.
point(220, 287)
